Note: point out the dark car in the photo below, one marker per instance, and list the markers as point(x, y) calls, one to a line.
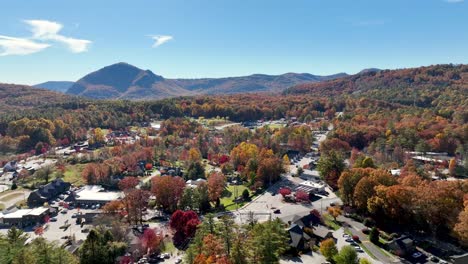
point(277, 211)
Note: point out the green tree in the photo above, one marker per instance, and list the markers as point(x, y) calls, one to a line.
point(245, 195)
point(374, 235)
point(44, 173)
point(330, 168)
point(367, 162)
point(347, 255)
point(328, 248)
point(269, 241)
point(364, 261)
point(195, 171)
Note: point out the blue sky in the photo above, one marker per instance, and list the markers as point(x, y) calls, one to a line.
point(64, 40)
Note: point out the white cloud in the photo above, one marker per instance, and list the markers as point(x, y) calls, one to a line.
point(160, 39)
point(49, 30)
point(19, 46)
point(454, 1)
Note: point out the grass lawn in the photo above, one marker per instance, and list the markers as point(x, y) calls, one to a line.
point(168, 246)
point(366, 250)
point(330, 222)
point(276, 126)
point(11, 196)
point(73, 174)
point(229, 195)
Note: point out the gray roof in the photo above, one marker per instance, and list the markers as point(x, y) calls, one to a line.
point(321, 231)
point(297, 234)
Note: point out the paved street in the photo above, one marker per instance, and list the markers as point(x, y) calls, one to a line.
point(355, 228)
point(338, 234)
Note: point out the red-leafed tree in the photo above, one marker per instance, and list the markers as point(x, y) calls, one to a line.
point(302, 196)
point(39, 231)
point(128, 183)
point(184, 223)
point(168, 191)
point(284, 191)
point(216, 185)
point(151, 240)
point(149, 166)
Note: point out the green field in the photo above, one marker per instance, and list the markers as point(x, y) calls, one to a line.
point(229, 195)
point(73, 174)
point(330, 222)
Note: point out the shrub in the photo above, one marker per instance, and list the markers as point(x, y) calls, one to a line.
point(14, 186)
point(365, 231)
point(245, 195)
point(284, 191)
point(369, 222)
point(374, 235)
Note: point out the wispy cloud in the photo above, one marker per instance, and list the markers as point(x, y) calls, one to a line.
point(160, 39)
point(44, 33)
point(49, 30)
point(19, 46)
point(454, 1)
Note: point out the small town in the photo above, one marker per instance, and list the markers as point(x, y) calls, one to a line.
point(234, 132)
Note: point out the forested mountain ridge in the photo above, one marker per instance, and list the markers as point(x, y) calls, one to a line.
point(18, 97)
point(125, 81)
point(57, 86)
point(440, 86)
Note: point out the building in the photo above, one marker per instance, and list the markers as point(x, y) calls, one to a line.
point(306, 231)
point(47, 192)
point(195, 183)
point(25, 217)
point(298, 238)
point(311, 186)
point(94, 194)
point(401, 246)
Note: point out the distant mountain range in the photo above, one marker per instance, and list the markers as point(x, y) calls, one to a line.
point(438, 85)
point(125, 81)
point(57, 86)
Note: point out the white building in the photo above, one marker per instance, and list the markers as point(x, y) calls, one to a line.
point(311, 186)
point(95, 194)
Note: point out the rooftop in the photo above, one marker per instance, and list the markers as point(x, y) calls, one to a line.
point(17, 214)
point(96, 193)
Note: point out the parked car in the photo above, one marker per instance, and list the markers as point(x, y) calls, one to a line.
point(64, 211)
point(53, 219)
point(346, 235)
point(75, 215)
point(349, 240)
point(417, 255)
point(434, 259)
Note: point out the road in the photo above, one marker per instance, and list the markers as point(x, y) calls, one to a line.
point(355, 228)
point(340, 242)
